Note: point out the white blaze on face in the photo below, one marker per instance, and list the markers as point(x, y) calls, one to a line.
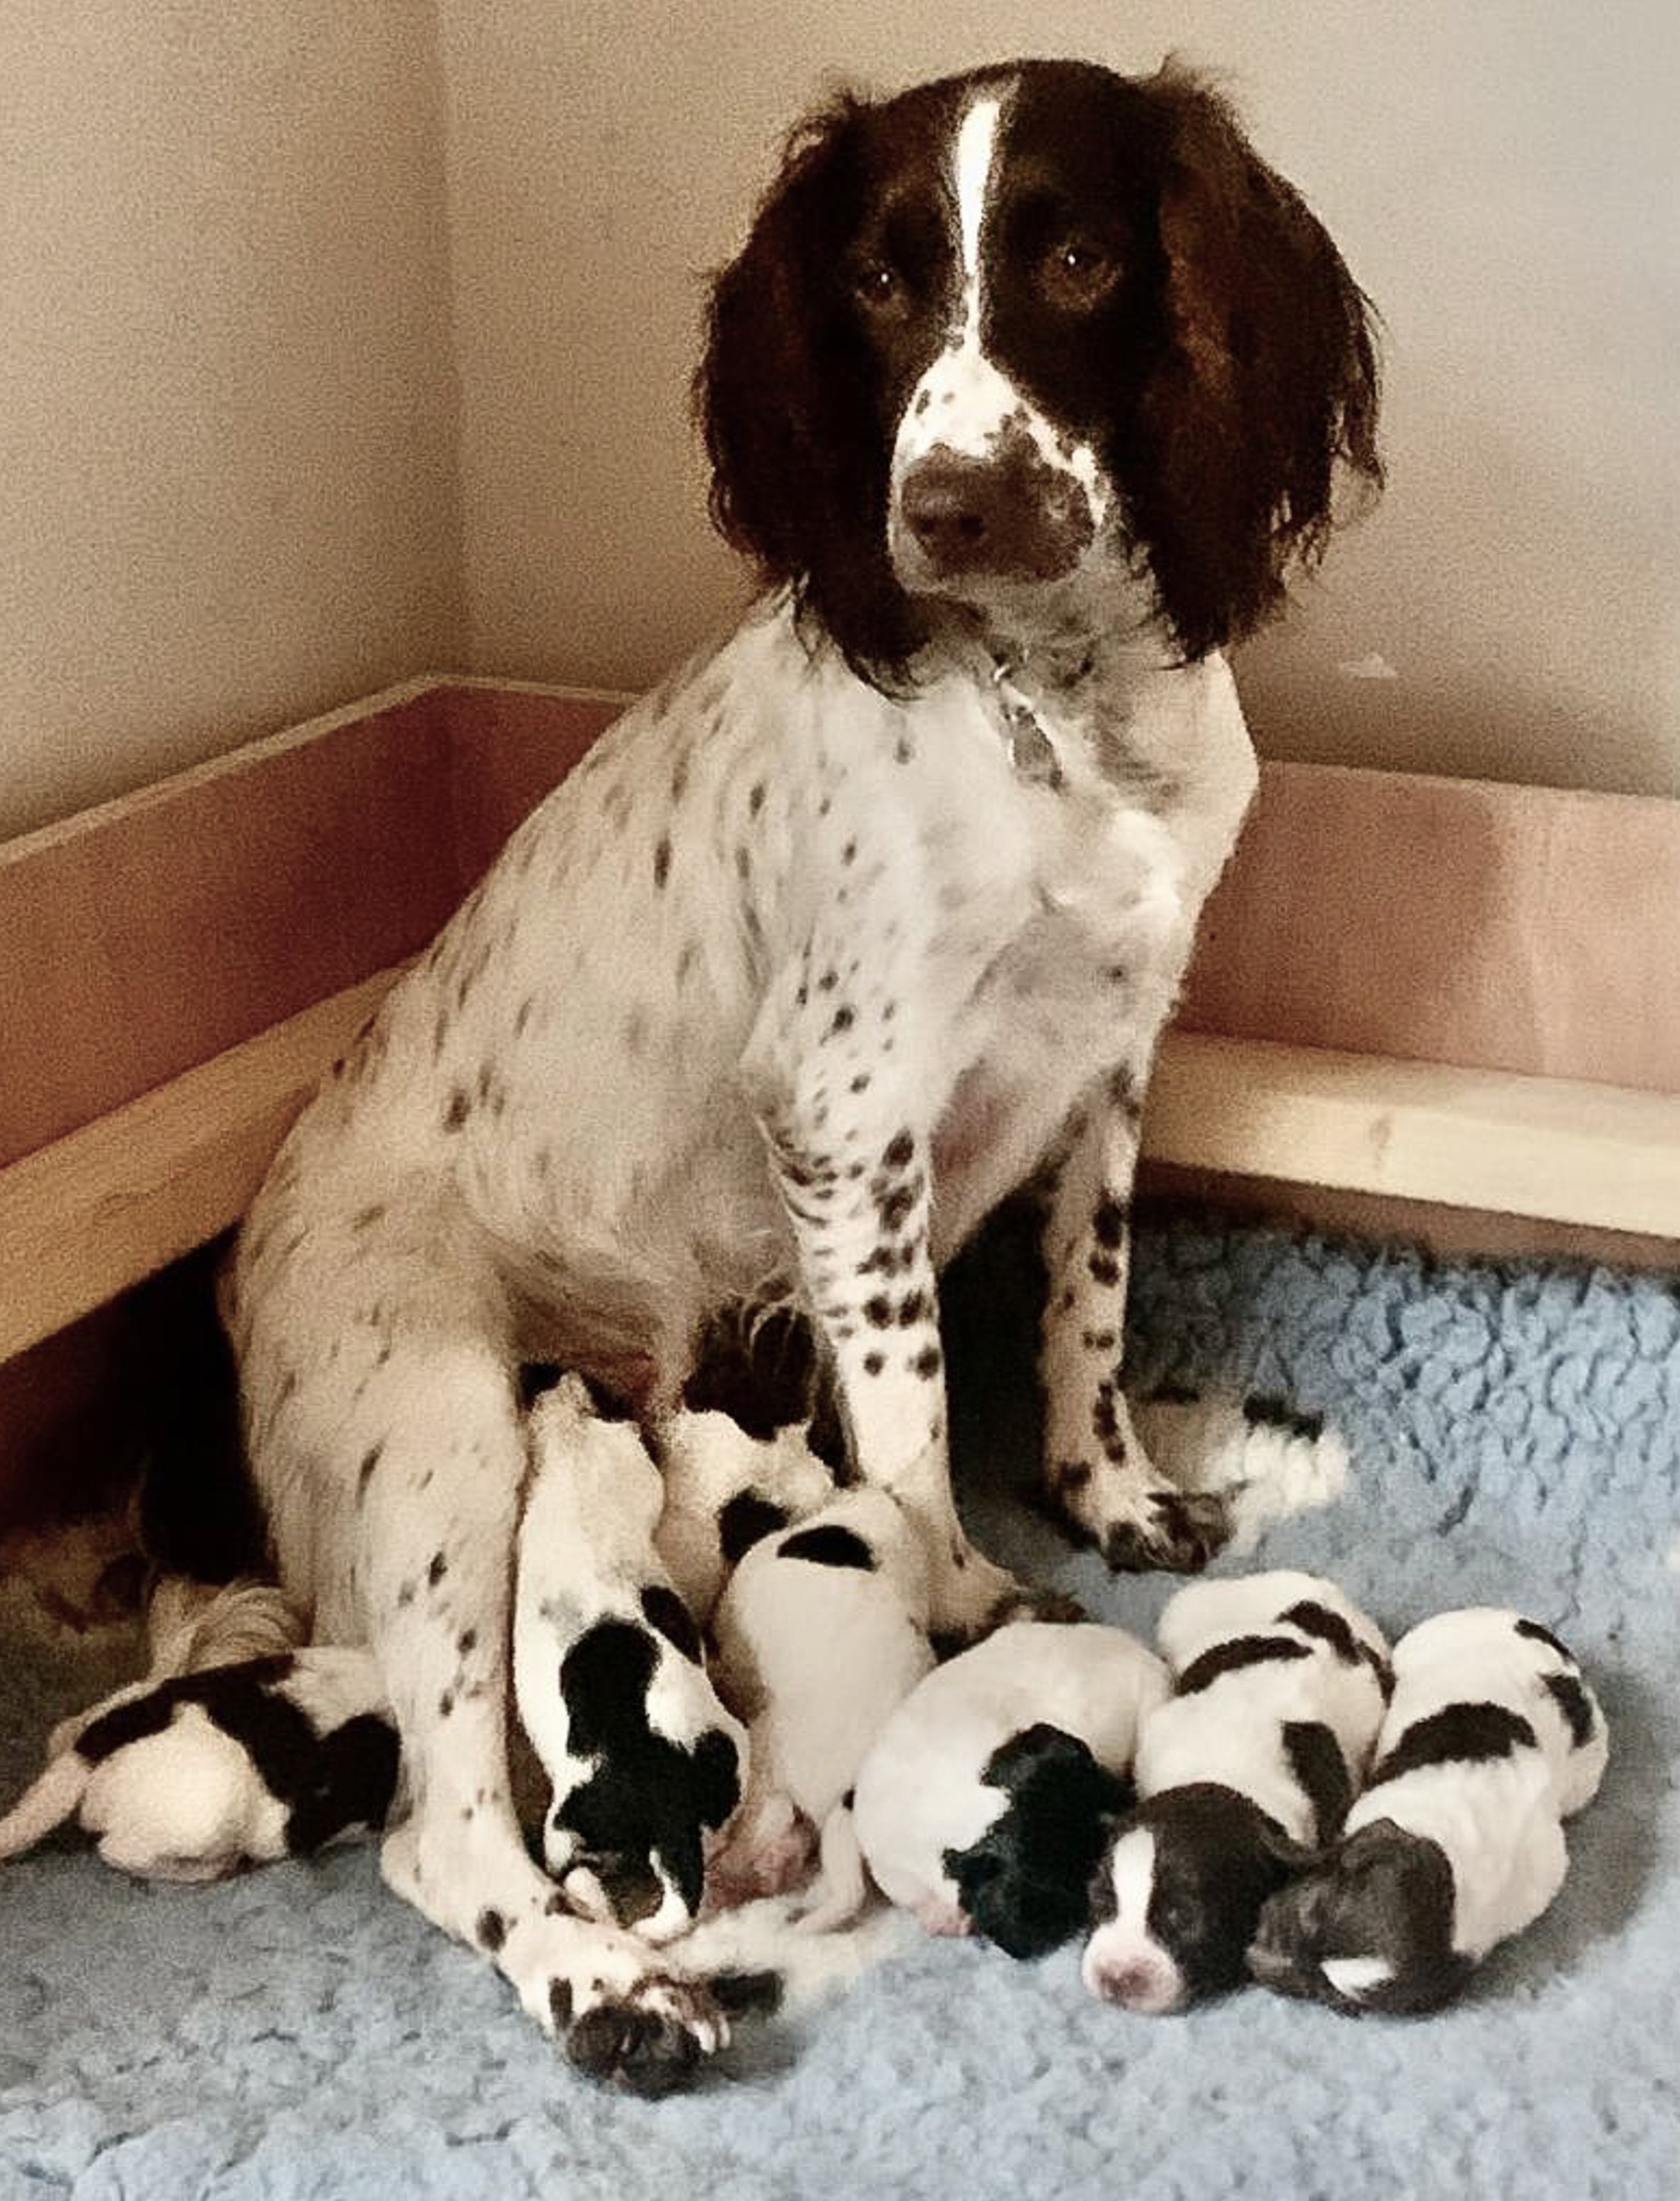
point(961, 402)
point(964, 403)
point(976, 142)
point(1122, 1961)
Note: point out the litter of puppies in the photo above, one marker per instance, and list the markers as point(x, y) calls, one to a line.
point(1272, 1794)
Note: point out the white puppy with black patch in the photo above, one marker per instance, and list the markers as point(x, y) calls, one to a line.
point(645, 1765)
point(1493, 1739)
point(197, 1774)
point(983, 1802)
point(1279, 1683)
point(724, 1491)
point(821, 1632)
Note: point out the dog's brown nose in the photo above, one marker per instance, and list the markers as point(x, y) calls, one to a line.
point(1008, 515)
point(951, 506)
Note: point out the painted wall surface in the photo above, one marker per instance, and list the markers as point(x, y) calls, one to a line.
point(227, 407)
point(1503, 178)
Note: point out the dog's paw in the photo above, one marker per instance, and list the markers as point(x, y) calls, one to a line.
point(971, 1595)
point(1177, 1531)
point(651, 2040)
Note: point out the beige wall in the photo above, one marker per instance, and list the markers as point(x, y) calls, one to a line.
point(1502, 175)
point(227, 446)
point(248, 466)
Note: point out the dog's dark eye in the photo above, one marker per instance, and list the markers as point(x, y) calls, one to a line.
point(1172, 1917)
point(878, 284)
point(1079, 271)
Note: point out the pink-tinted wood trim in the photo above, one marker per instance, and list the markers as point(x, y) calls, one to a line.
point(151, 936)
point(1535, 930)
point(1451, 921)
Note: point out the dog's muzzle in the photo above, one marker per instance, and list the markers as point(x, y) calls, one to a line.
point(1006, 516)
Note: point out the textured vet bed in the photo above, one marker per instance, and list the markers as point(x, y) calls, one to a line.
point(1516, 1437)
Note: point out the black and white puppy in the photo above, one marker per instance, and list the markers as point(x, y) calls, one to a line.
point(193, 1776)
point(646, 1766)
point(821, 1633)
point(1250, 1767)
point(1493, 1739)
point(724, 1489)
point(985, 1802)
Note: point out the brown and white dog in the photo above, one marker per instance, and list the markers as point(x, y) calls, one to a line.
point(1024, 394)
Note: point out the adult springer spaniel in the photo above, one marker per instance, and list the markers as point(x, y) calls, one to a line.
point(1026, 390)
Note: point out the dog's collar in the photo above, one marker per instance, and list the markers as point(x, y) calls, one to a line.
point(1027, 740)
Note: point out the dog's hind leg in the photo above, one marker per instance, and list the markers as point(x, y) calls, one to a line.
point(381, 1398)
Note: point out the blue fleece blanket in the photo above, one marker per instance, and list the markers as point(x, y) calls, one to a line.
point(1515, 1436)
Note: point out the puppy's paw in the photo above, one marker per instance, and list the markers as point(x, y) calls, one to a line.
point(948, 1921)
point(770, 1851)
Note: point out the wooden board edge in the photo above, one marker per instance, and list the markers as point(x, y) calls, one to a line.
point(83, 1220)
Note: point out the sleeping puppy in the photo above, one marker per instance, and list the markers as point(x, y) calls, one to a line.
point(1278, 1688)
point(645, 1765)
point(985, 1802)
point(821, 1632)
point(193, 1625)
point(724, 1490)
point(191, 1777)
point(1492, 1739)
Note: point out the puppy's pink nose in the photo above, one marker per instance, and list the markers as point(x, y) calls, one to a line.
point(1136, 1983)
point(1125, 1983)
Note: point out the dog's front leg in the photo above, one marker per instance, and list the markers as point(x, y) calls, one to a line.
point(1095, 1467)
point(832, 1070)
point(380, 1390)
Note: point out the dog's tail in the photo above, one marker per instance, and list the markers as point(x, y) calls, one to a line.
point(40, 1810)
point(190, 1626)
point(1266, 1456)
point(842, 1884)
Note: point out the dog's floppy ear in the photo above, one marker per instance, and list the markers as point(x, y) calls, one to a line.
point(1266, 384)
point(1047, 1761)
point(799, 481)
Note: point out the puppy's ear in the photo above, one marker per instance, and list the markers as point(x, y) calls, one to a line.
point(1268, 381)
point(719, 1777)
point(1294, 1857)
point(782, 396)
point(1040, 1749)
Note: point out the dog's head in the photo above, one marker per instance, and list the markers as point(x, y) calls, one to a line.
point(1175, 1901)
point(1038, 336)
point(1369, 1929)
point(1023, 1884)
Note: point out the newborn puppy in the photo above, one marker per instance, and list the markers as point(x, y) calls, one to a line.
point(1492, 1739)
point(645, 1765)
point(191, 1625)
point(724, 1490)
point(821, 1632)
point(1279, 1687)
point(983, 1802)
point(193, 1776)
